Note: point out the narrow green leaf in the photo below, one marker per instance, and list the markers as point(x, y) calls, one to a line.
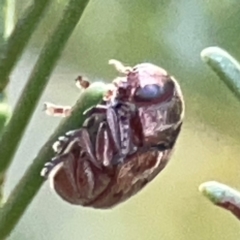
point(222, 195)
point(12, 49)
point(7, 12)
point(2, 21)
point(226, 67)
point(4, 111)
point(9, 18)
point(37, 82)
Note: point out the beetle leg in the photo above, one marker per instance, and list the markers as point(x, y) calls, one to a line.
point(121, 133)
point(112, 121)
point(84, 142)
point(95, 109)
point(57, 110)
point(49, 166)
point(104, 145)
point(126, 139)
point(58, 145)
point(125, 113)
point(127, 147)
point(76, 137)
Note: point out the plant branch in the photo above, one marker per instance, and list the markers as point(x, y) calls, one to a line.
point(37, 81)
point(223, 196)
point(7, 14)
point(31, 182)
point(14, 46)
point(2, 20)
point(9, 17)
point(7, 11)
point(226, 67)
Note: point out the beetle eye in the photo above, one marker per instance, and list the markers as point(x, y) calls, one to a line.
point(149, 92)
point(153, 92)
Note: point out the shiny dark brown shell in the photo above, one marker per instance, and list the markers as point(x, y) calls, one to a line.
point(87, 175)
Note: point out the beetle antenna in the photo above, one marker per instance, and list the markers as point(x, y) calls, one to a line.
point(119, 66)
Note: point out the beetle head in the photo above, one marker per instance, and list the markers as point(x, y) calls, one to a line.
point(157, 97)
point(147, 84)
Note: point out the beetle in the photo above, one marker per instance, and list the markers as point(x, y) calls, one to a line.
point(125, 141)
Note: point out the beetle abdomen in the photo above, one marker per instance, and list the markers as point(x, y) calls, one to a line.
point(89, 186)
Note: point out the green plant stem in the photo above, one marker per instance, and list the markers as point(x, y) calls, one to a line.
point(2, 20)
point(7, 11)
point(226, 67)
point(5, 111)
point(5, 114)
point(223, 196)
point(37, 81)
point(7, 14)
point(31, 182)
point(14, 46)
point(9, 17)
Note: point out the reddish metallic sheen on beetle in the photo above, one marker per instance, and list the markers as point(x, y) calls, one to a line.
point(125, 141)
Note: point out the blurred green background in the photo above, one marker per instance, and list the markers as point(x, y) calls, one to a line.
point(169, 33)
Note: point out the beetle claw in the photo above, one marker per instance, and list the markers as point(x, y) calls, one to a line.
point(62, 139)
point(49, 166)
point(47, 169)
point(44, 172)
point(56, 146)
point(70, 133)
